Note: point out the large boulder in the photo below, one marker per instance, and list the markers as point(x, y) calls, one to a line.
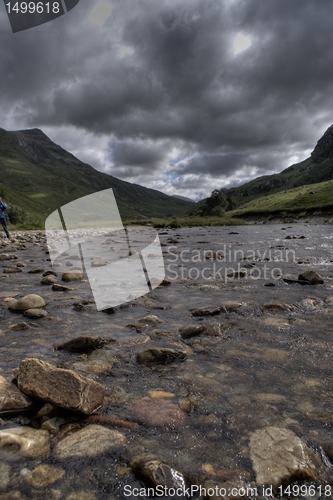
point(280, 457)
point(89, 441)
point(31, 301)
point(11, 398)
point(63, 388)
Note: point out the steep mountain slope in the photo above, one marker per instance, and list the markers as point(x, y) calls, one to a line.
point(317, 168)
point(39, 176)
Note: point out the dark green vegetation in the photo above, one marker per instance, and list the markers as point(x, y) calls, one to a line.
point(300, 188)
point(38, 176)
point(190, 221)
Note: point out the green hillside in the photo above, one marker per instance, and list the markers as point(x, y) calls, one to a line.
point(37, 176)
point(302, 199)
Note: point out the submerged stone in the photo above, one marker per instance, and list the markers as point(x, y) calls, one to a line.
point(280, 457)
point(89, 441)
point(160, 356)
point(25, 441)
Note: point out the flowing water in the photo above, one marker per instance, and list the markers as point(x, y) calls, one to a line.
point(270, 365)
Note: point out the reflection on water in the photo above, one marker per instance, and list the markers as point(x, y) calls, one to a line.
point(270, 366)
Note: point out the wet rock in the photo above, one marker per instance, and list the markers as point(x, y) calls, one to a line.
point(63, 388)
point(4, 476)
point(89, 441)
point(82, 344)
point(280, 457)
point(50, 273)
point(53, 424)
point(299, 282)
point(11, 398)
point(43, 475)
point(157, 412)
point(49, 280)
point(160, 356)
point(72, 276)
point(232, 305)
point(61, 288)
point(35, 313)
point(18, 327)
point(237, 274)
point(11, 269)
point(98, 262)
point(206, 311)
point(191, 331)
point(25, 441)
point(212, 255)
point(38, 270)
point(28, 302)
point(276, 307)
point(81, 495)
point(151, 319)
point(312, 277)
point(6, 256)
point(155, 472)
point(47, 410)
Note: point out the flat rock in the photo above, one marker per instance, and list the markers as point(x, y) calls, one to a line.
point(12, 269)
point(156, 412)
point(274, 307)
point(191, 331)
point(312, 277)
point(61, 288)
point(82, 344)
point(35, 313)
point(25, 441)
point(72, 276)
point(6, 256)
point(19, 327)
point(11, 398)
point(43, 475)
point(37, 270)
point(279, 457)
point(151, 319)
point(31, 301)
point(160, 356)
point(63, 388)
point(98, 262)
point(89, 441)
point(206, 311)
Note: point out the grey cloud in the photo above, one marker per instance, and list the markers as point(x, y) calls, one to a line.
point(162, 75)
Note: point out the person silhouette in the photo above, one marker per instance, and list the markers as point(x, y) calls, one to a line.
point(3, 207)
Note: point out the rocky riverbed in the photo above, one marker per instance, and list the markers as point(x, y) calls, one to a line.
point(219, 379)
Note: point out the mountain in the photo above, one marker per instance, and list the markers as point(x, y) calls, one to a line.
point(317, 168)
point(38, 176)
point(277, 192)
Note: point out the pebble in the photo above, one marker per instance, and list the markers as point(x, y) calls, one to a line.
point(61, 288)
point(43, 475)
point(18, 327)
point(35, 313)
point(160, 356)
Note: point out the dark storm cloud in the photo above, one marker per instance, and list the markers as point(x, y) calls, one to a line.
point(160, 87)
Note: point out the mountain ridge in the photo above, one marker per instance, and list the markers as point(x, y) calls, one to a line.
point(47, 176)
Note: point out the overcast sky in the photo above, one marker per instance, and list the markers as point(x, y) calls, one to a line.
point(183, 96)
